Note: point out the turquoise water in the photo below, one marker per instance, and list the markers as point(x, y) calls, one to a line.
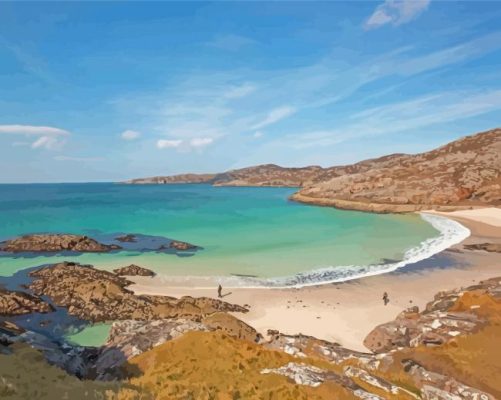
point(92, 335)
point(249, 231)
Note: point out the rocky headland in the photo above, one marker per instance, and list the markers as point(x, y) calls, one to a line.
point(462, 174)
point(55, 243)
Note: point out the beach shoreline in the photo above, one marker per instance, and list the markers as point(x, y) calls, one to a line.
point(346, 312)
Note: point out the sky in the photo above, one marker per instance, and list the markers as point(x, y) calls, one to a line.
point(111, 91)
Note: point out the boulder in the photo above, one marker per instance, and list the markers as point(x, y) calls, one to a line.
point(133, 270)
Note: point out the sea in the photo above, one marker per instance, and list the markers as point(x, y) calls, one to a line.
point(247, 236)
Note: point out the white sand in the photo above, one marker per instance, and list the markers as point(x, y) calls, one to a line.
point(347, 312)
point(489, 216)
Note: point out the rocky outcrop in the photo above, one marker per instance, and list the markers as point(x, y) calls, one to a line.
point(436, 386)
point(461, 174)
point(129, 238)
point(130, 338)
point(133, 270)
point(490, 247)
point(182, 178)
point(446, 317)
point(183, 246)
point(96, 295)
point(19, 303)
point(55, 243)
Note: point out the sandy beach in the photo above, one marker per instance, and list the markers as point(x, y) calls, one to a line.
point(347, 312)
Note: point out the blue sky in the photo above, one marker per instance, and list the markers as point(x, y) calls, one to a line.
point(110, 91)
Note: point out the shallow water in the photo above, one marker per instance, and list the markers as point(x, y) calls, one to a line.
point(92, 335)
point(244, 231)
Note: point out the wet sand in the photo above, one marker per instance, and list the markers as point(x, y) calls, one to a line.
point(347, 312)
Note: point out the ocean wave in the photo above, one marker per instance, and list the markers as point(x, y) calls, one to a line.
point(451, 233)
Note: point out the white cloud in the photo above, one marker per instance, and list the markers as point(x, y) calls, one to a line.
point(274, 116)
point(258, 134)
point(396, 12)
point(32, 130)
point(200, 142)
point(79, 159)
point(130, 135)
point(50, 138)
point(168, 144)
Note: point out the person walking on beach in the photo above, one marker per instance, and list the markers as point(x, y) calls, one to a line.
point(386, 299)
point(219, 291)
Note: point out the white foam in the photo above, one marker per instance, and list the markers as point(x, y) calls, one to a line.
point(451, 233)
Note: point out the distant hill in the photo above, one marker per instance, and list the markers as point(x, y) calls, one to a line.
point(463, 173)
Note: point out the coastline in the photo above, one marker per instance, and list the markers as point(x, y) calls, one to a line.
point(378, 208)
point(346, 312)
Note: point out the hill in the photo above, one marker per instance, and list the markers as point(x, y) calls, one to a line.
point(462, 174)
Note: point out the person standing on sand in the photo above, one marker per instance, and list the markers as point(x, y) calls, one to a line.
point(386, 299)
point(219, 291)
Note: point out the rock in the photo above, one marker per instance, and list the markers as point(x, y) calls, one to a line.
point(175, 244)
point(490, 247)
point(129, 238)
point(74, 359)
point(303, 374)
point(19, 303)
point(133, 270)
point(55, 243)
point(96, 296)
point(364, 376)
point(303, 345)
point(444, 318)
point(231, 326)
point(435, 386)
point(130, 338)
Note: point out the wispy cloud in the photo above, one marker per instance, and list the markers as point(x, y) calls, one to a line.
point(168, 144)
point(130, 135)
point(232, 103)
point(200, 142)
point(402, 117)
point(243, 90)
point(231, 42)
point(32, 130)
point(274, 116)
point(197, 143)
point(49, 137)
point(396, 12)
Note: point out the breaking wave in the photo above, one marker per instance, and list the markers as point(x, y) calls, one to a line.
point(451, 233)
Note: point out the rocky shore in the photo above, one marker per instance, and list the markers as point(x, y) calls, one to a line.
point(406, 359)
point(97, 296)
